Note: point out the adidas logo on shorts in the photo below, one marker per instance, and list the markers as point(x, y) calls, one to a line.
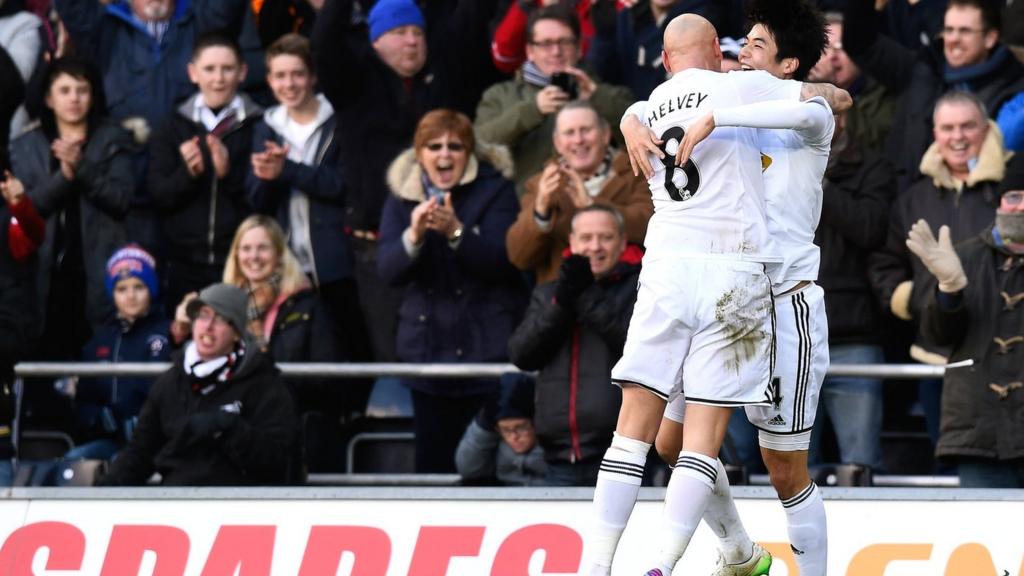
point(778, 420)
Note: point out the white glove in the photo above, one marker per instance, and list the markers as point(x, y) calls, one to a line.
point(938, 256)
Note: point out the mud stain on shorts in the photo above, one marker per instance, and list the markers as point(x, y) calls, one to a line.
point(742, 322)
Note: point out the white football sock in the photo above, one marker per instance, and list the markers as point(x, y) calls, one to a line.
point(808, 531)
point(618, 483)
point(689, 488)
point(723, 519)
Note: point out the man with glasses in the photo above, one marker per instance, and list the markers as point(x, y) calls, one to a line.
point(968, 57)
point(978, 309)
point(520, 113)
point(221, 415)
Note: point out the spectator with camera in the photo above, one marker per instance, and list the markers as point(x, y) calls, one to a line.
point(220, 416)
point(573, 333)
point(587, 170)
point(520, 113)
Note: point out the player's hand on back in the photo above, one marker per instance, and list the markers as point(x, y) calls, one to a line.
point(696, 133)
point(640, 141)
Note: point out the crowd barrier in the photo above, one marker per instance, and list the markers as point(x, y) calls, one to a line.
point(404, 370)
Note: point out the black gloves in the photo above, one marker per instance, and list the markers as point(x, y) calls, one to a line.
point(573, 278)
point(211, 424)
point(486, 418)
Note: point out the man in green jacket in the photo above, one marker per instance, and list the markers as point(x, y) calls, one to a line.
point(520, 113)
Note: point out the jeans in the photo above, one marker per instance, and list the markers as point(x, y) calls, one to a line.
point(95, 450)
point(854, 406)
point(6, 473)
point(991, 473)
point(582, 473)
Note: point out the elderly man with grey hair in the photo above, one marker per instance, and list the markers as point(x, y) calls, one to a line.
point(221, 415)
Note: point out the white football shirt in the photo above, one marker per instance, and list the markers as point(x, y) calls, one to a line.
point(715, 205)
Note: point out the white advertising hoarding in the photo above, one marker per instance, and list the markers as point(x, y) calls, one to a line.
point(328, 537)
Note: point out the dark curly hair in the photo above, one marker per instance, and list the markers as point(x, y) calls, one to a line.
point(798, 28)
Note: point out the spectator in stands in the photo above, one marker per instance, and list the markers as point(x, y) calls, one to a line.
point(380, 87)
point(220, 415)
point(962, 171)
point(296, 177)
point(508, 49)
point(18, 223)
point(142, 49)
point(200, 158)
point(500, 443)
point(286, 318)
point(573, 334)
point(970, 57)
point(520, 113)
point(107, 407)
point(443, 242)
point(870, 119)
point(76, 169)
point(587, 170)
point(626, 48)
point(858, 190)
point(977, 310)
point(21, 40)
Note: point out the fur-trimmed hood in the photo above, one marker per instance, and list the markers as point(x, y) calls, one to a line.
point(405, 177)
point(991, 163)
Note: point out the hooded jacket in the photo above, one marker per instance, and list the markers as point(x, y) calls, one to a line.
point(200, 214)
point(321, 181)
point(102, 187)
point(458, 305)
point(255, 451)
point(982, 404)
point(900, 280)
point(574, 350)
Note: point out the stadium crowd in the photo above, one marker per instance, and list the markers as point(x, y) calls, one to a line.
point(226, 185)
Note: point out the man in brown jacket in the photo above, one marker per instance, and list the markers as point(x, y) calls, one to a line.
point(587, 170)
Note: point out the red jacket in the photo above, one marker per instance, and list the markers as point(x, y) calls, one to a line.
point(27, 230)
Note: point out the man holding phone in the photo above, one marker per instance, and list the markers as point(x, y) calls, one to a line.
point(519, 113)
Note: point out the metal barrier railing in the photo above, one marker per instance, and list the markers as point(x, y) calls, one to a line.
point(377, 370)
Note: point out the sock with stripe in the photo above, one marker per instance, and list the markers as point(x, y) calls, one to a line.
point(808, 532)
point(618, 483)
point(686, 497)
point(723, 519)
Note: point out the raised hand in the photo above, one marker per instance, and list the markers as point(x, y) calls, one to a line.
point(69, 152)
point(418, 220)
point(938, 256)
point(193, 156)
point(219, 154)
point(442, 218)
point(12, 189)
